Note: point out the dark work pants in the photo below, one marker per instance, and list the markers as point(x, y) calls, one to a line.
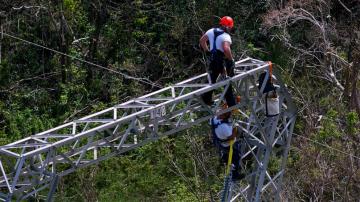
point(216, 68)
point(235, 157)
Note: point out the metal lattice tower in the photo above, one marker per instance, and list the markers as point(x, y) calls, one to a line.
point(36, 163)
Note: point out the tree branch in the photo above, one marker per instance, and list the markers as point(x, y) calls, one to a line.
point(343, 5)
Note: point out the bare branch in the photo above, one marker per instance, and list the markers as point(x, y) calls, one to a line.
point(28, 7)
point(78, 40)
point(39, 77)
point(343, 5)
point(334, 79)
point(340, 58)
point(38, 8)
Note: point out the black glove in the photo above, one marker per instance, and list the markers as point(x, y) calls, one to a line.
point(230, 66)
point(208, 53)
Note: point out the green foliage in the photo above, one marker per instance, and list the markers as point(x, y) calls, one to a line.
point(293, 158)
point(4, 73)
point(147, 173)
point(252, 49)
point(274, 165)
point(23, 122)
point(324, 102)
point(178, 192)
point(157, 40)
point(352, 123)
point(141, 21)
point(71, 5)
point(330, 128)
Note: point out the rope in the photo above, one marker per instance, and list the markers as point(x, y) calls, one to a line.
point(228, 167)
point(142, 80)
point(227, 182)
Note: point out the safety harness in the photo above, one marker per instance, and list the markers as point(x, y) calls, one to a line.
point(217, 141)
point(216, 54)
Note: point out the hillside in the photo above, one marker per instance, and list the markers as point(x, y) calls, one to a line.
point(61, 60)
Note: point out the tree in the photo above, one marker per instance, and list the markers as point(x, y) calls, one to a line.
point(331, 35)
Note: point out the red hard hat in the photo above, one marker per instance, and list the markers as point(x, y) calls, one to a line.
point(227, 21)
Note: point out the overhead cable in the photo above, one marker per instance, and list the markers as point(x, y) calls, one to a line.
point(142, 80)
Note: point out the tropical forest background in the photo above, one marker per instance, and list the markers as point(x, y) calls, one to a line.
point(314, 43)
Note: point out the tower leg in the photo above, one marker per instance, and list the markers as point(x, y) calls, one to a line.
point(284, 157)
point(52, 190)
point(265, 162)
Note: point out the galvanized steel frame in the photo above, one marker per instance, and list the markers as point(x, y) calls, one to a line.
point(35, 163)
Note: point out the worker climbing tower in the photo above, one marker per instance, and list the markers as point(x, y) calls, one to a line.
point(36, 163)
point(265, 138)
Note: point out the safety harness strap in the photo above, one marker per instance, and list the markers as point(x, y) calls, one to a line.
point(217, 32)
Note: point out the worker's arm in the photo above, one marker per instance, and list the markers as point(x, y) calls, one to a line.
point(229, 60)
point(227, 50)
point(203, 43)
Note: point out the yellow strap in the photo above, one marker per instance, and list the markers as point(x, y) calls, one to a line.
point(230, 157)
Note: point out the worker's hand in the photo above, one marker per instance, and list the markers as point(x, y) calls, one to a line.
point(224, 75)
point(230, 66)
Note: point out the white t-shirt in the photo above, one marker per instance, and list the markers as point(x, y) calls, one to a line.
point(219, 40)
point(223, 131)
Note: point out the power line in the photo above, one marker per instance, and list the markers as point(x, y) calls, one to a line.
point(327, 146)
point(142, 80)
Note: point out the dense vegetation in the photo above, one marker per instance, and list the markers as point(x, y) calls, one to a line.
point(315, 43)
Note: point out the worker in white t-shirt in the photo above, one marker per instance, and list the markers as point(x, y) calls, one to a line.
point(223, 132)
point(220, 41)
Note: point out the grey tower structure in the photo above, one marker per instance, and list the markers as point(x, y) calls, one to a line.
point(36, 163)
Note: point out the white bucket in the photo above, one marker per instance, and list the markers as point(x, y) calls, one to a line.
point(272, 104)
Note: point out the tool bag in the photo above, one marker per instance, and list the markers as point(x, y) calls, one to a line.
point(272, 104)
point(269, 86)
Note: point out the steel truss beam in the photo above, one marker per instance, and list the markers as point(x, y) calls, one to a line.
point(35, 163)
point(265, 141)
